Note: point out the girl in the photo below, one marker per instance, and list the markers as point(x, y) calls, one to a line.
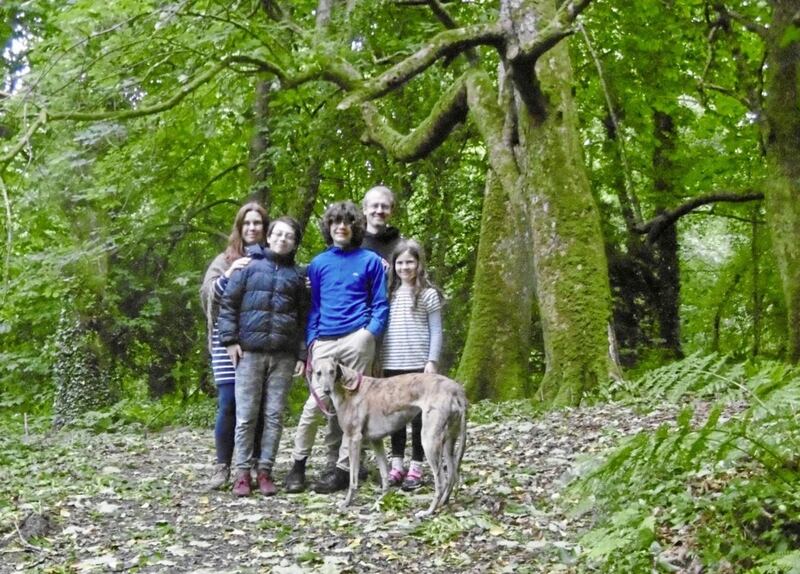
point(412, 344)
point(249, 226)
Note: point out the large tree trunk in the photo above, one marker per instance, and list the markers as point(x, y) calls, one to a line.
point(570, 268)
point(534, 152)
point(259, 146)
point(783, 142)
point(495, 356)
point(666, 296)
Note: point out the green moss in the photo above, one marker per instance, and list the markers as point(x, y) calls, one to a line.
point(783, 140)
point(493, 365)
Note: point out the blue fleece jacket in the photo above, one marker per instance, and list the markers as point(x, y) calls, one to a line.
point(348, 292)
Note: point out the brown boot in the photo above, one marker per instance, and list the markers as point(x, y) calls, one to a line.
point(241, 484)
point(265, 484)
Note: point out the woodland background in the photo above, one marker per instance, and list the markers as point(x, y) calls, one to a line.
point(607, 192)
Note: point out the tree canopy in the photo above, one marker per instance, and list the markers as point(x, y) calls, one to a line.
point(598, 185)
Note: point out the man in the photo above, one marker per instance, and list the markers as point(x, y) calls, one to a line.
point(382, 238)
point(349, 311)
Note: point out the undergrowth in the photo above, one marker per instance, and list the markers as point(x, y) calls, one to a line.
point(717, 490)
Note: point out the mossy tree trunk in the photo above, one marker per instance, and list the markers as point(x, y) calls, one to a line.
point(494, 361)
point(571, 271)
point(782, 111)
point(259, 167)
point(665, 298)
point(530, 131)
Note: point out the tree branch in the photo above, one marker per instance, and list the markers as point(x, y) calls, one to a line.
point(731, 93)
point(450, 110)
point(147, 110)
point(658, 224)
point(447, 21)
point(41, 119)
point(490, 120)
point(746, 23)
point(628, 193)
point(9, 232)
point(559, 27)
point(444, 44)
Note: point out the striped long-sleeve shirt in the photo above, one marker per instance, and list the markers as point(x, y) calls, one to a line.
point(414, 335)
point(224, 371)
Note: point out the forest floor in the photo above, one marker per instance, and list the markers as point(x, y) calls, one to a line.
point(135, 501)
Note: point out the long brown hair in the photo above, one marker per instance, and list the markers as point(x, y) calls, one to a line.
point(235, 247)
point(421, 282)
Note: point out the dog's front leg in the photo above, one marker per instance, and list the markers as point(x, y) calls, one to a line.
point(354, 454)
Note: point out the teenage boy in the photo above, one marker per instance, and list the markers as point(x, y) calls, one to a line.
point(349, 311)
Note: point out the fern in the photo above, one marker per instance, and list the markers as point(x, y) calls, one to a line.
point(729, 481)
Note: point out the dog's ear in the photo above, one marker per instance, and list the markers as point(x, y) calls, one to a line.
point(339, 373)
point(347, 373)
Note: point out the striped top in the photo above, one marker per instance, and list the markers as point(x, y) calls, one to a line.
point(414, 336)
point(221, 364)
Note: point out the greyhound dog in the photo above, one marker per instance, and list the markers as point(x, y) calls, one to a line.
point(370, 408)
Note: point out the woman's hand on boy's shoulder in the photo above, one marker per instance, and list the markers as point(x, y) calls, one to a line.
point(236, 265)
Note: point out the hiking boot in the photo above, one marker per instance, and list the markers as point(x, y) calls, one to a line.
point(265, 484)
point(333, 482)
point(363, 472)
point(241, 484)
point(396, 476)
point(413, 480)
point(296, 479)
point(222, 473)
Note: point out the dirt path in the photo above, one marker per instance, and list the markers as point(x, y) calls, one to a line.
point(135, 502)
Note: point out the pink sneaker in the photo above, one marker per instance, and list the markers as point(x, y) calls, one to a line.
point(241, 484)
point(396, 477)
point(413, 480)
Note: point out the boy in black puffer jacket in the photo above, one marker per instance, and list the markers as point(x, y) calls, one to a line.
point(262, 324)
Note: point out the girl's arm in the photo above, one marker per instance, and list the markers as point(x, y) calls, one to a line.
point(435, 332)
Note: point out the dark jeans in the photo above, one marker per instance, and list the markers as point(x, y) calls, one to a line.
point(225, 425)
point(399, 437)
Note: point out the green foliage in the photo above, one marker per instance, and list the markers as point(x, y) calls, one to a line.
point(131, 415)
point(83, 382)
point(488, 411)
point(724, 482)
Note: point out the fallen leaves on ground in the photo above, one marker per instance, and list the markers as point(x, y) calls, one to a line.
point(137, 502)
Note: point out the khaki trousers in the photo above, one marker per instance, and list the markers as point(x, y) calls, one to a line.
point(357, 351)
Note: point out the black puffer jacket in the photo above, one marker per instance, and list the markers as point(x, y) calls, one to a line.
point(264, 306)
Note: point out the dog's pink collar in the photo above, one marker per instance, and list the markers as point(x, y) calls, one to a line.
point(309, 374)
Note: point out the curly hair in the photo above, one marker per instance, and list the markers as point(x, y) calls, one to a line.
point(236, 245)
point(343, 211)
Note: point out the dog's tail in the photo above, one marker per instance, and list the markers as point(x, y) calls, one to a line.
point(461, 445)
point(455, 445)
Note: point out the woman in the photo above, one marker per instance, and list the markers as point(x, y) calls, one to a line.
point(249, 228)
